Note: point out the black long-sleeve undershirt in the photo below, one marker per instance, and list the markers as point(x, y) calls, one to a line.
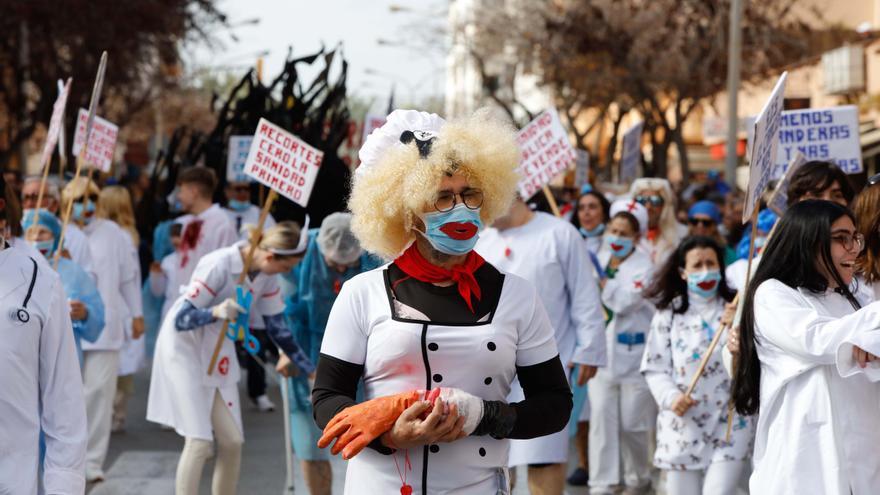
point(545, 410)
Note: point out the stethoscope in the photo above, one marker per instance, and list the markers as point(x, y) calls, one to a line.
point(21, 314)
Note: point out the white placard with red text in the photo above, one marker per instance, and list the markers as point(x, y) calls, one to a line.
point(545, 152)
point(102, 142)
point(283, 162)
point(55, 124)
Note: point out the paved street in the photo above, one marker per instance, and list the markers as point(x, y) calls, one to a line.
point(142, 460)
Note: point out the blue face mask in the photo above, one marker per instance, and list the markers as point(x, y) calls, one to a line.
point(80, 210)
point(620, 247)
point(594, 232)
point(239, 206)
point(704, 284)
point(44, 247)
point(454, 232)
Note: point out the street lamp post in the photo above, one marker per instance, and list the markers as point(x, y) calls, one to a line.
point(734, 58)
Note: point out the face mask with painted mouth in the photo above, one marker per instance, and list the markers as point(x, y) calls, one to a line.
point(239, 206)
point(620, 247)
point(83, 213)
point(704, 284)
point(454, 232)
point(594, 232)
point(44, 247)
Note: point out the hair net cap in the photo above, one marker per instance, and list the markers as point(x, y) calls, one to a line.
point(399, 121)
point(42, 218)
point(707, 208)
point(633, 208)
point(336, 240)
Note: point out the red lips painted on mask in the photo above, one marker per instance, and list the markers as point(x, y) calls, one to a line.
point(616, 247)
point(707, 285)
point(459, 231)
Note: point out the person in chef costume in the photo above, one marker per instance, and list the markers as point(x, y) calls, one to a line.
point(807, 350)
point(118, 280)
point(42, 386)
point(437, 335)
point(692, 447)
point(664, 232)
point(623, 412)
point(205, 408)
point(42, 229)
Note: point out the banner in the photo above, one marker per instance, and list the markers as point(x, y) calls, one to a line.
point(631, 154)
point(779, 200)
point(55, 124)
point(765, 147)
point(102, 142)
point(581, 168)
point(545, 152)
point(236, 157)
point(283, 162)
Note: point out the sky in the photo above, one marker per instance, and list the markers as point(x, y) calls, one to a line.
point(358, 24)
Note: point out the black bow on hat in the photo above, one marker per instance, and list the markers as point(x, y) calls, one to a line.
point(423, 139)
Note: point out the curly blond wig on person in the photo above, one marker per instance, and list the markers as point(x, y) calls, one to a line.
point(386, 197)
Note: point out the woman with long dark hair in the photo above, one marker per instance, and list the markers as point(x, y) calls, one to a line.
point(592, 213)
point(802, 364)
point(691, 293)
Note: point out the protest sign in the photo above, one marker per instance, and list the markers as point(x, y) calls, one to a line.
point(765, 147)
point(631, 154)
point(779, 200)
point(102, 142)
point(55, 124)
point(581, 168)
point(283, 162)
point(545, 152)
point(828, 134)
point(236, 157)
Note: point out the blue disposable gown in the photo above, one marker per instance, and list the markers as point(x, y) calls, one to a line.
point(79, 285)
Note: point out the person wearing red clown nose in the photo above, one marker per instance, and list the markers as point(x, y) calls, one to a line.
point(437, 335)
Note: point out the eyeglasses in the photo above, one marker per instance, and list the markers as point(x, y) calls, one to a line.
point(703, 222)
point(654, 200)
point(241, 189)
point(93, 198)
point(848, 241)
point(874, 179)
point(472, 198)
point(25, 198)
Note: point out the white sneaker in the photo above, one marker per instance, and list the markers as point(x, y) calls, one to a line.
point(264, 404)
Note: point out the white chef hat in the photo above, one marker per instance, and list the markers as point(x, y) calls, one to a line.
point(635, 209)
point(424, 127)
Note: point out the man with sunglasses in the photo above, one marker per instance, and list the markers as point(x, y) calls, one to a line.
point(240, 209)
point(549, 253)
point(704, 217)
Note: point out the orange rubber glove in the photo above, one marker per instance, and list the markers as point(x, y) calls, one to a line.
point(356, 426)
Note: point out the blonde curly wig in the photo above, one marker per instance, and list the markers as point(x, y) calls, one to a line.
point(387, 196)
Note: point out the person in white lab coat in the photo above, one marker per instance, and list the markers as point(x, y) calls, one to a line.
point(664, 232)
point(866, 208)
point(202, 407)
point(438, 319)
point(805, 342)
point(623, 412)
point(691, 294)
point(240, 209)
point(119, 284)
point(550, 254)
point(42, 388)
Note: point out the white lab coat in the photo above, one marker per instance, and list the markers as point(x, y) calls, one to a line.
point(167, 284)
point(817, 432)
point(42, 387)
point(549, 253)
point(134, 351)
point(251, 216)
point(217, 231)
point(181, 391)
point(118, 281)
point(480, 359)
point(77, 244)
point(674, 350)
point(659, 252)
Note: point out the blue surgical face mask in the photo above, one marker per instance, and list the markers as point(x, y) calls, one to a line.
point(467, 230)
point(594, 232)
point(80, 210)
point(239, 206)
point(44, 247)
point(620, 247)
point(704, 284)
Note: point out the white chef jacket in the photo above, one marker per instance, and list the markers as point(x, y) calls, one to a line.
point(632, 313)
point(217, 232)
point(480, 359)
point(133, 351)
point(658, 253)
point(672, 356)
point(118, 281)
point(42, 387)
point(549, 253)
point(251, 216)
point(817, 432)
point(77, 244)
point(181, 391)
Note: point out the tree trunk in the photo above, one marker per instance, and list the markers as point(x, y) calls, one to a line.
point(612, 143)
point(680, 145)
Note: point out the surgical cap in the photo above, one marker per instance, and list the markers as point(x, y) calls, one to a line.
point(336, 240)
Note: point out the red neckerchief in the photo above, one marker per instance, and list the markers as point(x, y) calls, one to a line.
point(189, 239)
point(416, 266)
point(653, 234)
